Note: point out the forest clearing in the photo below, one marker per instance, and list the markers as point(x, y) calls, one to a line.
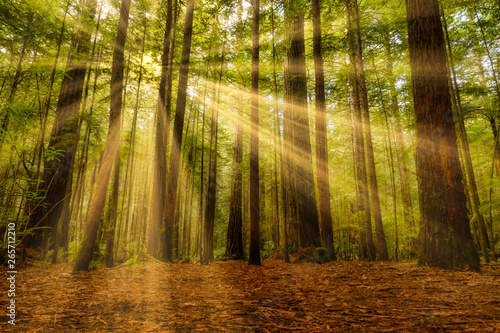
point(232, 296)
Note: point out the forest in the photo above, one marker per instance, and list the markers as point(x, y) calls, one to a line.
point(250, 161)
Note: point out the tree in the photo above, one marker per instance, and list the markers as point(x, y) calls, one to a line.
point(234, 244)
point(112, 148)
point(302, 192)
point(375, 201)
point(445, 232)
point(321, 139)
point(173, 174)
point(254, 255)
point(162, 135)
point(367, 247)
point(59, 156)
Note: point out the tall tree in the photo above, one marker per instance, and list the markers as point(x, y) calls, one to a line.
point(445, 232)
point(254, 255)
point(234, 244)
point(57, 177)
point(112, 147)
point(301, 178)
point(367, 247)
point(375, 200)
point(321, 139)
point(173, 175)
point(162, 134)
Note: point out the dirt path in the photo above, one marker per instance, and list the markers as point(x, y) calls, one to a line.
point(235, 297)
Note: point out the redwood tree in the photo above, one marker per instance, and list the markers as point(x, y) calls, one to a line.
point(445, 231)
point(300, 178)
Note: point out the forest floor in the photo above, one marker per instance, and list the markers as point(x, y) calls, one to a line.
point(232, 296)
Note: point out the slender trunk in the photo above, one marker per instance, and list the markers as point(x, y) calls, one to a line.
point(162, 135)
point(15, 83)
point(47, 105)
point(113, 213)
point(254, 258)
point(278, 147)
point(400, 146)
point(234, 244)
point(459, 115)
point(323, 178)
point(375, 201)
point(367, 246)
point(391, 163)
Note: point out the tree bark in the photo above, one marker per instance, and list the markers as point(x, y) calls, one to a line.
point(445, 233)
point(321, 138)
point(375, 201)
point(63, 139)
point(254, 251)
point(474, 196)
point(302, 181)
point(112, 147)
point(173, 175)
point(367, 246)
point(158, 203)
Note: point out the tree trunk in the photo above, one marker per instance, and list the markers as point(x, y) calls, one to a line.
point(63, 139)
point(400, 146)
point(112, 147)
point(113, 213)
point(363, 199)
point(254, 251)
point(296, 106)
point(173, 175)
point(375, 201)
point(162, 134)
point(234, 244)
point(323, 178)
point(475, 202)
point(445, 233)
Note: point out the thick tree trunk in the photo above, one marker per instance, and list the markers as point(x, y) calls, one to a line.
point(321, 139)
point(64, 138)
point(296, 105)
point(254, 254)
point(173, 175)
point(111, 149)
point(445, 233)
